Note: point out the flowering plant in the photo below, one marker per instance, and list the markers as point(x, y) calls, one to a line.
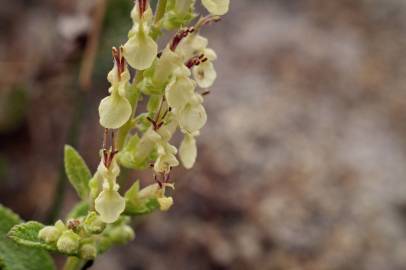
point(174, 80)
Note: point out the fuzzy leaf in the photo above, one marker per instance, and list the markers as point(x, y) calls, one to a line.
point(26, 234)
point(18, 257)
point(77, 171)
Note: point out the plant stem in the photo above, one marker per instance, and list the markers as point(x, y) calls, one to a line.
point(125, 129)
point(73, 263)
point(160, 10)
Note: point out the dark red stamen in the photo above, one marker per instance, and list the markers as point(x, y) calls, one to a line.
point(142, 6)
point(119, 60)
point(179, 36)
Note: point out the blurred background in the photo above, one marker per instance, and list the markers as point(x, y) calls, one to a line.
point(301, 165)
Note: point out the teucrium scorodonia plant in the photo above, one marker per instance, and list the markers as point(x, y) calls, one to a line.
point(174, 80)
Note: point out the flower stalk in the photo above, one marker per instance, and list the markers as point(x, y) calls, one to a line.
point(174, 80)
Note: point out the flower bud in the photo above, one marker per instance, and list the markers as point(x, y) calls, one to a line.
point(165, 203)
point(88, 251)
point(49, 234)
point(188, 151)
point(122, 234)
point(93, 223)
point(60, 226)
point(68, 242)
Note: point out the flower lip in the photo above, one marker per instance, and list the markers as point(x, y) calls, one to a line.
point(109, 204)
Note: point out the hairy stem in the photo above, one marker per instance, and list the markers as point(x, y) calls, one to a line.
point(125, 129)
point(160, 10)
point(73, 263)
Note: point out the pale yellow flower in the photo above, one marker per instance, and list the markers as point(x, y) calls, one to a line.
point(216, 7)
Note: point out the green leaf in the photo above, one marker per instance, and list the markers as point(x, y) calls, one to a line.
point(17, 257)
point(77, 172)
point(136, 206)
point(27, 234)
point(132, 192)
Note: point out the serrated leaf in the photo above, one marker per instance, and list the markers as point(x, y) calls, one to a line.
point(26, 234)
point(17, 257)
point(77, 171)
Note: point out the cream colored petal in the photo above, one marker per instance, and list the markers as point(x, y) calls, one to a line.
point(204, 74)
point(192, 45)
point(179, 92)
point(140, 51)
point(188, 151)
point(192, 117)
point(112, 76)
point(149, 191)
point(115, 80)
point(210, 54)
point(182, 71)
point(165, 203)
point(166, 64)
point(114, 111)
point(109, 204)
point(216, 7)
point(165, 162)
